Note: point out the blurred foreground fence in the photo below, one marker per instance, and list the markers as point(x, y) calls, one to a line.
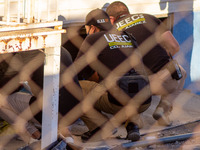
point(19, 61)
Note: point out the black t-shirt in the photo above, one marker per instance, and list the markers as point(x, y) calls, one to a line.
point(108, 50)
point(111, 48)
point(143, 27)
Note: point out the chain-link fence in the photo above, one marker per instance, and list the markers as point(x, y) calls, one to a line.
point(21, 92)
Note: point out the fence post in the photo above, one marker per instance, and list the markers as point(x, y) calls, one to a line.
point(50, 96)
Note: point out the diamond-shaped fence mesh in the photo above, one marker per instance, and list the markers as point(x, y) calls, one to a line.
point(21, 91)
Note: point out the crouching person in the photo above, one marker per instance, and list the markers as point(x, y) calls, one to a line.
point(106, 51)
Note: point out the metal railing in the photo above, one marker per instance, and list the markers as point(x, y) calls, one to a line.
point(28, 11)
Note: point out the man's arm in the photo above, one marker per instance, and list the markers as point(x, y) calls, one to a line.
point(168, 41)
point(87, 72)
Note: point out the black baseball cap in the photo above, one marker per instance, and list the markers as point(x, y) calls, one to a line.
point(98, 18)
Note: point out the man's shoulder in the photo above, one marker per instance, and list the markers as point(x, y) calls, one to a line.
point(145, 15)
point(135, 20)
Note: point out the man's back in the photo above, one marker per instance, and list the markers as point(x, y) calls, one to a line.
point(111, 48)
point(144, 28)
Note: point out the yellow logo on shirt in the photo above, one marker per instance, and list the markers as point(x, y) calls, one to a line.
point(118, 41)
point(130, 21)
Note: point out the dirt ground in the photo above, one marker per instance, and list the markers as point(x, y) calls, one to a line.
point(185, 116)
point(185, 110)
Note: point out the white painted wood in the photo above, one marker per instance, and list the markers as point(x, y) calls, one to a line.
point(7, 11)
point(57, 24)
point(56, 15)
point(18, 11)
point(50, 40)
point(50, 96)
point(23, 9)
point(33, 10)
point(28, 11)
point(38, 11)
point(48, 10)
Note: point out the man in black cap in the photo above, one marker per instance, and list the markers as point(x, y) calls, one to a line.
point(104, 50)
point(96, 21)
